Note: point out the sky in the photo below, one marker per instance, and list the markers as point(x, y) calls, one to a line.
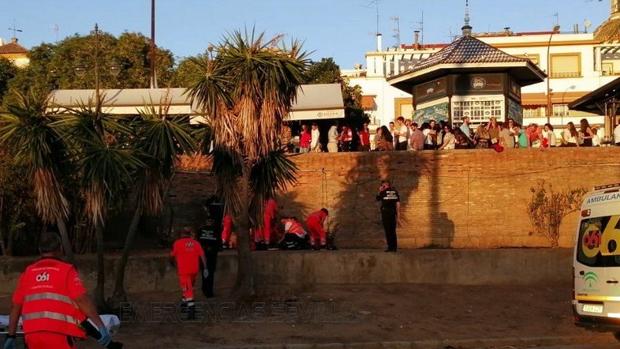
point(342, 29)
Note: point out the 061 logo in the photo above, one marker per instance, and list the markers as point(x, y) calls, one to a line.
point(44, 276)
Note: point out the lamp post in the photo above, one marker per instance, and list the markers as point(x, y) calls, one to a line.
point(81, 70)
point(556, 28)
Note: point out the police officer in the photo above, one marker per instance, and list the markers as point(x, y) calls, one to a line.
point(210, 237)
point(390, 211)
point(52, 302)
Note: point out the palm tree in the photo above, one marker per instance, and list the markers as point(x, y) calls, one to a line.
point(160, 139)
point(105, 166)
point(247, 90)
point(26, 132)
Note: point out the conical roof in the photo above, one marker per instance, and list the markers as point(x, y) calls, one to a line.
point(467, 49)
point(468, 54)
point(609, 31)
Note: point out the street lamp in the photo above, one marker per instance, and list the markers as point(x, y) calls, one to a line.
point(82, 70)
point(556, 28)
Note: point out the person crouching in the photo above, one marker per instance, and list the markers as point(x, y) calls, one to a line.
point(317, 224)
point(187, 253)
point(295, 237)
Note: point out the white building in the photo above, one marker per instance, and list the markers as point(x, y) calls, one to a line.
point(577, 63)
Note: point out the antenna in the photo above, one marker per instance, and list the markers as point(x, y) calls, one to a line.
point(15, 30)
point(587, 24)
point(557, 18)
point(396, 30)
point(375, 3)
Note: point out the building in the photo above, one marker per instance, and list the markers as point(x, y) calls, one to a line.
point(576, 63)
point(468, 78)
point(14, 52)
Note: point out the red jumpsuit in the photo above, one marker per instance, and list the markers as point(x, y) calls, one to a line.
point(187, 253)
point(269, 215)
point(227, 225)
point(315, 223)
point(46, 291)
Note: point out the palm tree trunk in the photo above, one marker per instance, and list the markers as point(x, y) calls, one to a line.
point(64, 236)
point(244, 286)
point(99, 288)
point(119, 294)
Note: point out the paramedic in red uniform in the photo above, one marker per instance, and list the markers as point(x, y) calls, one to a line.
point(52, 302)
point(263, 234)
point(295, 237)
point(316, 224)
point(187, 253)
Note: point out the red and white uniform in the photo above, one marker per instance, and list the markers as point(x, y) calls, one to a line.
point(269, 215)
point(292, 226)
point(47, 291)
point(316, 227)
point(187, 253)
point(227, 225)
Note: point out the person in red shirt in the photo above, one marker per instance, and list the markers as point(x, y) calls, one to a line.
point(187, 253)
point(263, 235)
point(317, 227)
point(364, 135)
point(346, 137)
point(52, 302)
point(305, 138)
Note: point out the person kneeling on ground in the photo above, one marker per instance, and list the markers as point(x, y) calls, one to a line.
point(317, 223)
point(295, 237)
point(187, 252)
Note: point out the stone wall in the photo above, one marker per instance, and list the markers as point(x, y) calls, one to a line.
point(459, 199)
point(307, 269)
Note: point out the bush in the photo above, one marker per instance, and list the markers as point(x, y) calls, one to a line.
point(547, 208)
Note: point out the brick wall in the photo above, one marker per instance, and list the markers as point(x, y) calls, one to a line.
point(461, 199)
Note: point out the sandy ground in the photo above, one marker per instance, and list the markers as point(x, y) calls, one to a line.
point(352, 314)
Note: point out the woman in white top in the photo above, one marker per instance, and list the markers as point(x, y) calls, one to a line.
point(449, 141)
point(549, 136)
point(570, 136)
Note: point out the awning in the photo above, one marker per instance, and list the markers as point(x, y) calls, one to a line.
point(594, 101)
point(320, 101)
point(540, 98)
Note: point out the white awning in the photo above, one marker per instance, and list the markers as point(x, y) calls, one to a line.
point(314, 102)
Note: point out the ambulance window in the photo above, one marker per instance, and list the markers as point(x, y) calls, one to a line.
point(599, 242)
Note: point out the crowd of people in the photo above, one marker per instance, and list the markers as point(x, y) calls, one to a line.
point(405, 134)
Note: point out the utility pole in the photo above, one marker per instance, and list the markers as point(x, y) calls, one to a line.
point(153, 54)
point(97, 93)
point(396, 30)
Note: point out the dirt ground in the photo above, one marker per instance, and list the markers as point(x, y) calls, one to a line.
point(351, 314)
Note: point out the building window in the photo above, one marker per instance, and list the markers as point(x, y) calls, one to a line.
point(566, 65)
point(535, 112)
point(608, 68)
point(535, 58)
point(560, 110)
point(477, 111)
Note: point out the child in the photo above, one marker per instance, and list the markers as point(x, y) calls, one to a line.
point(187, 252)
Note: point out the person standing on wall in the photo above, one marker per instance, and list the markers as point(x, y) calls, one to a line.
point(390, 213)
point(400, 132)
point(210, 238)
point(52, 303)
point(332, 139)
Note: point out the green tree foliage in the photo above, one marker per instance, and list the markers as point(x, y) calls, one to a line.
point(53, 66)
point(189, 71)
point(7, 72)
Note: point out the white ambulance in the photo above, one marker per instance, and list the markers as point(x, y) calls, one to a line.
point(596, 266)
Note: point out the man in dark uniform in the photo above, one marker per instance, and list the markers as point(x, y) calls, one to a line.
point(390, 210)
point(210, 237)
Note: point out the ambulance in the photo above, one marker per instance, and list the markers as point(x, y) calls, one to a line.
point(596, 264)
